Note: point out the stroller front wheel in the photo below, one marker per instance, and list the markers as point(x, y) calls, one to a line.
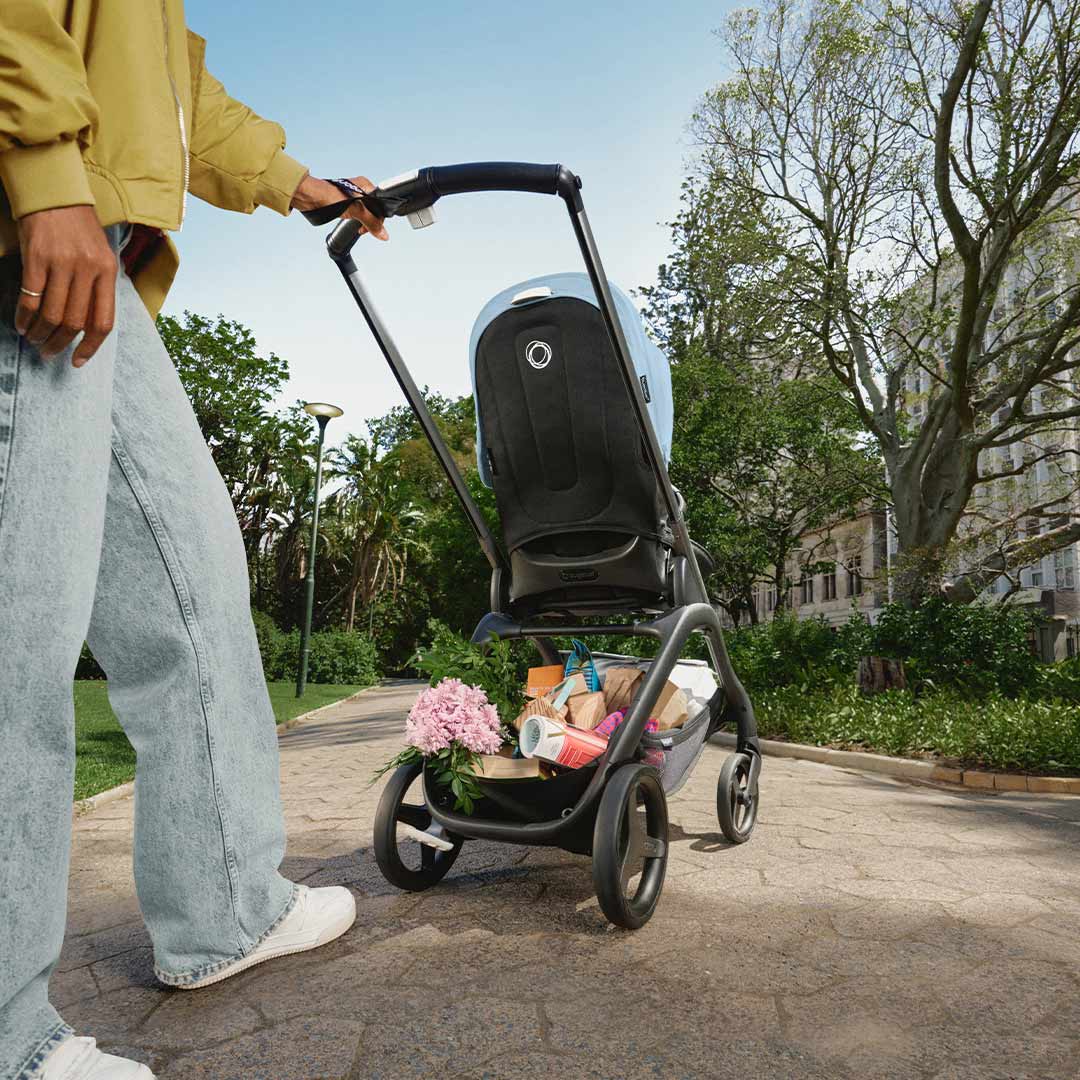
point(736, 804)
point(630, 846)
point(413, 852)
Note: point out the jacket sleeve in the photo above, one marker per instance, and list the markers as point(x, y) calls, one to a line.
point(47, 114)
point(238, 160)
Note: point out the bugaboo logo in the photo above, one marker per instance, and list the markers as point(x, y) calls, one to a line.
point(538, 353)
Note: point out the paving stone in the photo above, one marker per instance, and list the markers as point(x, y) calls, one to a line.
point(871, 928)
point(309, 1047)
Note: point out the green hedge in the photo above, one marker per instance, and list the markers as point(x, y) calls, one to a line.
point(993, 731)
point(982, 649)
point(334, 656)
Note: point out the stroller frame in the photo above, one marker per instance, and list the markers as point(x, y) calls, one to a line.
point(691, 610)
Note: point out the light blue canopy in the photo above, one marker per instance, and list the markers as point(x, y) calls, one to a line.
point(648, 359)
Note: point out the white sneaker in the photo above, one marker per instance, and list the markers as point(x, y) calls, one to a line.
point(318, 917)
point(79, 1058)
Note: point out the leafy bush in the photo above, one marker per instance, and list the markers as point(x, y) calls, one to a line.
point(334, 656)
point(993, 731)
point(271, 641)
point(499, 669)
point(88, 667)
point(982, 649)
point(787, 652)
point(1060, 681)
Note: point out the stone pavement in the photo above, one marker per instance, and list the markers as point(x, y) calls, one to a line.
point(871, 928)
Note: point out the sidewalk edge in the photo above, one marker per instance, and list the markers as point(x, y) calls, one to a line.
point(914, 769)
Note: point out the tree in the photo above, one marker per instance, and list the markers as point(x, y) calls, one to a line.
point(376, 523)
point(765, 451)
point(922, 158)
point(230, 385)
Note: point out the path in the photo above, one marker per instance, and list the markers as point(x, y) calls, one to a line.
point(871, 928)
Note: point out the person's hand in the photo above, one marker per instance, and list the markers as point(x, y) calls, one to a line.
point(313, 193)
point(68, 282)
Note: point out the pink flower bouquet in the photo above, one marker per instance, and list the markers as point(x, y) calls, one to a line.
point(450, 725)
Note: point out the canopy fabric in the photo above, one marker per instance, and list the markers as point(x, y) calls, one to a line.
point(647, 357)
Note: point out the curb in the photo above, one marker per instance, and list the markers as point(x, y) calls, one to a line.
point(913, 768)
point(303, 718)
point(82, 807)
point(87, 806)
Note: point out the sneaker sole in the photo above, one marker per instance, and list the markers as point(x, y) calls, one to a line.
point(329, 933)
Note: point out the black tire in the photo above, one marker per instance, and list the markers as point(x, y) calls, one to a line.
point(630, 837)
point(425, 866)
point(736, 805)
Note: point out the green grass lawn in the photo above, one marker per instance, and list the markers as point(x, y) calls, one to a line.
point(104, 757)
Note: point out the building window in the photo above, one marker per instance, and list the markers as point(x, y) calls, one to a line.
point(1065, 569)
point(828, 583)
point(1072, 640)
point(1036, 579)
point(806, 587)
point(773, 597)
point(854, 576)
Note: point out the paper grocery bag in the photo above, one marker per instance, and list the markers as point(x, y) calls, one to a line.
point(670, 708)
point(541, 680)
point(540, 707)
point(504, 766)
point(571, 687)
point(620, 686)
point(587, 710)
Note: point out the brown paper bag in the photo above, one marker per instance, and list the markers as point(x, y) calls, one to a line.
point(620, 685)
point(540, 707)
point(543, 679)
point(670, 708)
point(587, 710)
point(578, 685)
point(504, 766)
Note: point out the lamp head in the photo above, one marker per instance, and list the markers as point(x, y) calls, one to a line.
point(322, 411)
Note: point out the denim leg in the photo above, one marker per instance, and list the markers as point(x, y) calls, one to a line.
point(172, 628)
point(54, 466)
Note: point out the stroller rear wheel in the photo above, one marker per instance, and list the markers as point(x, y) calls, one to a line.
point(630, 846)
point(413, 852)
point(736, 804)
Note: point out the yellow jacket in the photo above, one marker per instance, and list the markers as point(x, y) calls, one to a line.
point(108, 103)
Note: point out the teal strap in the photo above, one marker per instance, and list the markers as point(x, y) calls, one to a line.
point(580, 659)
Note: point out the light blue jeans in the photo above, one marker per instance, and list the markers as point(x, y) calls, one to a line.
point(115, 527)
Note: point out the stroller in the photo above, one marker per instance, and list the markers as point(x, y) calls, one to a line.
point(574, 423)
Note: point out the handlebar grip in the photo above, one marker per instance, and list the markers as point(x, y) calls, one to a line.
point(500, 176)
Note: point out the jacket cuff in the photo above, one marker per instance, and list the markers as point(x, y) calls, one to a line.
point(44, 177)
point(277, 185)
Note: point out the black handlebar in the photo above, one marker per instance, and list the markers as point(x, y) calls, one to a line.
point(502, 176)
point(425, 187)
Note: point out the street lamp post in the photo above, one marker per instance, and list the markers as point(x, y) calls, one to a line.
point(323, 413)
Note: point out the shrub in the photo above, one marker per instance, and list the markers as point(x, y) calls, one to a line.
point(340, 656)
point(1060, 681)
point(788, 652)
point(334, 656)
point(980, 648)
point(88, 667)
point(993, 731)
point(270, 640)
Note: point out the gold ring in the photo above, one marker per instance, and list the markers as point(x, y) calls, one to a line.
point(29, 292)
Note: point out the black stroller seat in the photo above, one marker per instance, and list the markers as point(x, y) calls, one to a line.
point(581, 513)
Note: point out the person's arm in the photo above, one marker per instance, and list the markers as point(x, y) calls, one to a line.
point(238, 159)
point(48, 118)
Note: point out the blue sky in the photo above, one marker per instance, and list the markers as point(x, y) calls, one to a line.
point(606, 88)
